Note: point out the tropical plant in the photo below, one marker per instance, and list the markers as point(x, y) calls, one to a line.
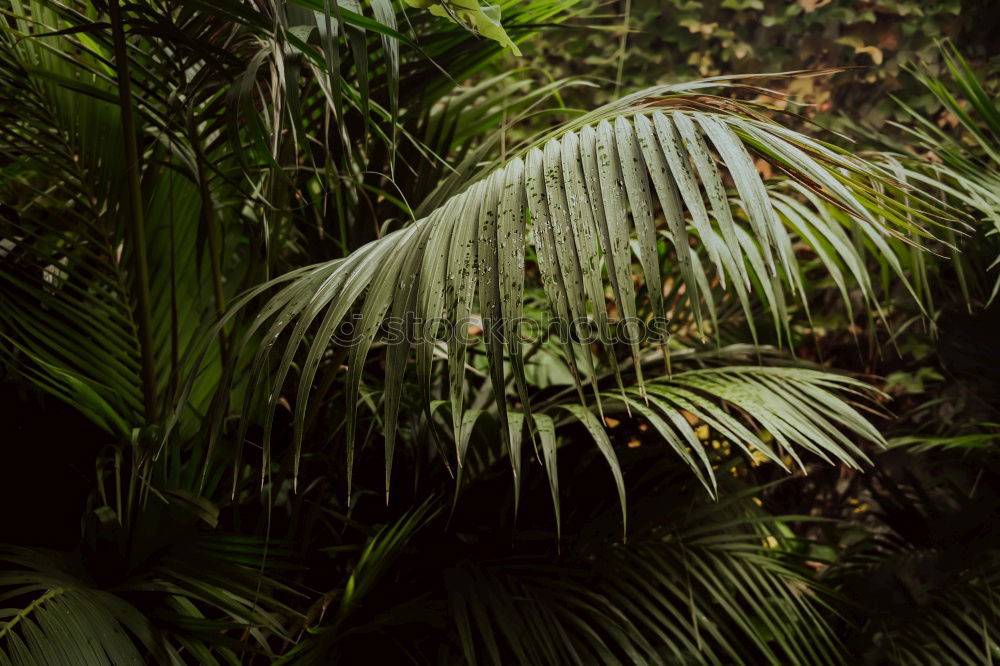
point(919, 556)
point(283, 254)
point(964, 168)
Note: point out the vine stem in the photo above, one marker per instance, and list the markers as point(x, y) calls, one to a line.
point(137, 224)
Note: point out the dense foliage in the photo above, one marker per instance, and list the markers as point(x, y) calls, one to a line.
point(679, 40)
point(336, 332)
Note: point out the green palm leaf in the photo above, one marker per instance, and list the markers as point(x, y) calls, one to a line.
point(573, 204)
point(711, 585)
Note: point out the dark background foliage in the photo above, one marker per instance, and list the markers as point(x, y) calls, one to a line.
point(678, 40)
point(901, 558)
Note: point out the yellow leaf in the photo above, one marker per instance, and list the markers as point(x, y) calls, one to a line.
point(874, 52)
point(812, 5)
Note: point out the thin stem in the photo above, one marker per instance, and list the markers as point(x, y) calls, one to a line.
point(211, 226)
point(138, 229)
point(30, 609)
point(623, 42)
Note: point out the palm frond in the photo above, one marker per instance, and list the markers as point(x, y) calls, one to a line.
point(377, 558)
point(960, 167)
point(585, 206)
point(712, 585)
point(65, 620)
point(209, 597)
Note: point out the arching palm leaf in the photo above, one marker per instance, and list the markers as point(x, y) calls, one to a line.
point(959, 166)
point(207, 597)
point(586, 203)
